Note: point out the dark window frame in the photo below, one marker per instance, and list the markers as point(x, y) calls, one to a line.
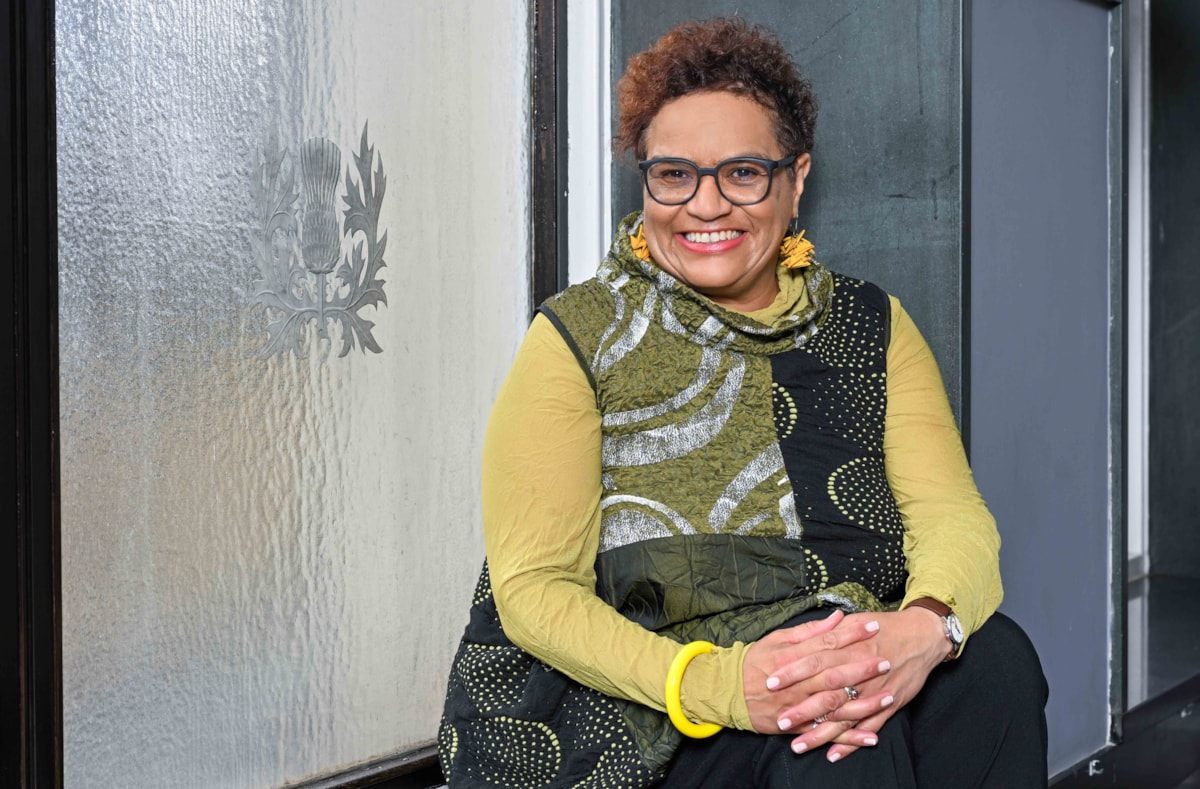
point(30, 649)
point(547, 148)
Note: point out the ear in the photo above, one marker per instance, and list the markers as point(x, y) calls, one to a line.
point(800, 169)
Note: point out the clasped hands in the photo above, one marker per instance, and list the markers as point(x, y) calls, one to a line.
point(796, 679)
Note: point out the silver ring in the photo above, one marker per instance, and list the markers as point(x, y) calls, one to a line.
point(819, 720)
point(851, 693)
point(815, 724)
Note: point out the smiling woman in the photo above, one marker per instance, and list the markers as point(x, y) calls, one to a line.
point(727, 512)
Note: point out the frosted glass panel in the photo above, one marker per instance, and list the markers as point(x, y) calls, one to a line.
point(268, 547)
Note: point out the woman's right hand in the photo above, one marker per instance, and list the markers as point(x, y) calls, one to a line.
point(823, 660)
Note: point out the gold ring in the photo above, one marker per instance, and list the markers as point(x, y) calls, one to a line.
point(851, 693)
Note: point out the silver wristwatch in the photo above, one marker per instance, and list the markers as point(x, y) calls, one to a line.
point(953, 628)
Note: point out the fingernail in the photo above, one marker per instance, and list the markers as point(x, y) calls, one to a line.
point(884, 665)
point(887, 701)
point(871, 628)
point(870, 741)
point(799, 747)
point(785, 724)
point(833, 757)
point(772, 683)
point(833, 612)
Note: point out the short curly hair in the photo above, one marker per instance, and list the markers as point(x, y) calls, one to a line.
point(723, 54)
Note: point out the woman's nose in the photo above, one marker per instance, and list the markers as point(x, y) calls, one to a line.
point(708, 202)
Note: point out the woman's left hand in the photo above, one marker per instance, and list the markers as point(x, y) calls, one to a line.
point(914, 641)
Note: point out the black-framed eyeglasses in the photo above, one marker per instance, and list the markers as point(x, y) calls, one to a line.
point(745, 180)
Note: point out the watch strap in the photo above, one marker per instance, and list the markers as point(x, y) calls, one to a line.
point(933, 604)
point(944, 611)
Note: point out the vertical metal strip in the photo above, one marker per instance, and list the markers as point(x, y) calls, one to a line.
point(30, 647)
point(964, 238)
point(548, 148)
point(1117, 459)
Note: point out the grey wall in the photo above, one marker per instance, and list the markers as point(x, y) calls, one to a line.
point(1039, 328)
point(1174, 283)
point(883, 201)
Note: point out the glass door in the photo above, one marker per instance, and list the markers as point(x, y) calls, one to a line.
point(293, 270)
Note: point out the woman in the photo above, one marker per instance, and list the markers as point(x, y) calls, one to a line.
point(717, 441)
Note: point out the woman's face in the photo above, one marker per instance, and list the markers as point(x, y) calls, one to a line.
point(736, 269)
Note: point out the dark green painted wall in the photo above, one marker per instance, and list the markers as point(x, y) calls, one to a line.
point(1175, 289)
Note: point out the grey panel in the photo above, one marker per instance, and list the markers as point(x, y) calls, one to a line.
point(1039, 332)
point(883, 201)
point(1174, 284)
point(267, 557)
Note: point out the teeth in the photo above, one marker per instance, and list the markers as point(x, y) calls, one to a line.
point(712, 238)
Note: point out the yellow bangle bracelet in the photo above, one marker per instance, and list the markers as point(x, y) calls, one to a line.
point(675, 684)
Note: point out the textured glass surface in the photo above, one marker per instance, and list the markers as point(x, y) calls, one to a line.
point(268, 551)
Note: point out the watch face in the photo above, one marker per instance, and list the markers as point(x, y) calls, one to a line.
point(955, 628)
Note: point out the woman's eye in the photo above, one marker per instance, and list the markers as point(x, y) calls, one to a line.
point(745, 172)
point(674, 175)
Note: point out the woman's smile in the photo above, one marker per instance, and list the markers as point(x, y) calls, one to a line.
point(712, 242)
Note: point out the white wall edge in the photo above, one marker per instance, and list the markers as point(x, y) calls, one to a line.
point(1138, 284)
point(589, 157)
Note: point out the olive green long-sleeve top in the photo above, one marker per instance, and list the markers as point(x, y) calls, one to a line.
point(541, 511)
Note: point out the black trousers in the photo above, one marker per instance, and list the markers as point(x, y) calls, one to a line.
point(980, 721)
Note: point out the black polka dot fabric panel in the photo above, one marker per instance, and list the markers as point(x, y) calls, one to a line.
point(830, 404)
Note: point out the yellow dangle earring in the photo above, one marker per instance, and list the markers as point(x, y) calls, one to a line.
point(796, 251)
point(637, 242)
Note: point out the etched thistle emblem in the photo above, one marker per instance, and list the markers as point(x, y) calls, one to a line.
point(312, 267)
